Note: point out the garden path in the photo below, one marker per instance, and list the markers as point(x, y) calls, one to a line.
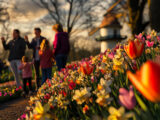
point(12, 110)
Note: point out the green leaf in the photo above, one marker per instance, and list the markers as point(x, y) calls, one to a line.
point(141, 103)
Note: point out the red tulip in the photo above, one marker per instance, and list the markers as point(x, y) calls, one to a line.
point(139, 47)
point(134, 49)
point(147, 80)
point(72, 85)
point(86, 68)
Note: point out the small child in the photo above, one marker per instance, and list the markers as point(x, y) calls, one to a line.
point(26, 68)
point(46, 59)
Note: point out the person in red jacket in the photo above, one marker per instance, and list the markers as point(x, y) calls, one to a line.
point(46, 59)
point(61, 46)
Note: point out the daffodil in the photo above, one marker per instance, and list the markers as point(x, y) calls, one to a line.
point(40, 112)
point(82, 95)
point(119, 114)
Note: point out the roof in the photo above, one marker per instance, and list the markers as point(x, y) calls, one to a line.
point(110, 20)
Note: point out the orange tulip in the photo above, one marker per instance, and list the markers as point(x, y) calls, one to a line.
point(147, 80)
point(134, 49)
point(86, 68)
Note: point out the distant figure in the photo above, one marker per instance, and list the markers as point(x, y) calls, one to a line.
point(61, 46)
point(16, 49)
point(46, 59)
point(26, 68)
point(35, 45)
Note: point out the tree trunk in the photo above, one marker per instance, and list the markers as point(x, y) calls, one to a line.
point(136, 8)
point(155, 15)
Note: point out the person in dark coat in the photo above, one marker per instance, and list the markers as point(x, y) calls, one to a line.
point(16, 48)
point(35, 46)
point(61, 46)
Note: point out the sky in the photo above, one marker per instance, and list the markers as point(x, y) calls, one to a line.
point(26, 15)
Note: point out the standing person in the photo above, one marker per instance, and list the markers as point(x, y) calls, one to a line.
point(61, 46)
point(46, 57)
point(35, 45)
point(26, 68)
point(16, 49)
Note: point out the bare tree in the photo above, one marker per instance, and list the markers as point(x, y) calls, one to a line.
point(4, 23)
point(4, 18)
point(131, 11)
point(73, 15)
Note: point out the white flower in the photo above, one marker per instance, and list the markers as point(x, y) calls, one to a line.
point(82, 95)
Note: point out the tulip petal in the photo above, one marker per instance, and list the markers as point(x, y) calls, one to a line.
point(134, 79)
point(141, 80)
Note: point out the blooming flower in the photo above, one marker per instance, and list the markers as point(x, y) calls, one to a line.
point(86, 68)
point(140, 37)
point(111, 55)
point(134, 49)
point(149, 44)
point(72, 85)
point(118, 61)
point(119, 114)
point(85, 109)
point(127, 98)
point(147, 80)
point(40, 112)
point(82, 95)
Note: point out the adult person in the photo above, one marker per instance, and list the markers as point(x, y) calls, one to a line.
point(35, 45)
point(16, 49)
point(61, 46)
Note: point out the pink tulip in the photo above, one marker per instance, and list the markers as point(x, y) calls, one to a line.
point(148, 37)
point(140, 37)
point(158, 38)
point(111, 55)
point(0, 93)
point(127, 98)
point(149, 44)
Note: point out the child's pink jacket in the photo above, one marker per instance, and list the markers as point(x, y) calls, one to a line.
point(26, 69)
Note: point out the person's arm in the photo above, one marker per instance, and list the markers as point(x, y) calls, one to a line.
point(31, 63)
point(55, 43)
point(21, 66)
point(5, 46)
point(30, 45)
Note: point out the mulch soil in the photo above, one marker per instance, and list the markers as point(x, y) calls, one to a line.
point(12, 110)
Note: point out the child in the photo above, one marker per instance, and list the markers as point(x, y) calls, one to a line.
point(46, 57)
point(26, 68)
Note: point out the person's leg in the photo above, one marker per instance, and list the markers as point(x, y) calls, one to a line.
point(44, 75)
point(49, 73)
point(13, 67)
point(30, 83)
point(24, 85)
point(59, 63)
point(36, 67)
point(18, 63)
point(64, 61)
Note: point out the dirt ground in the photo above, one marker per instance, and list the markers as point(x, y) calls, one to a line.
point(12, 110)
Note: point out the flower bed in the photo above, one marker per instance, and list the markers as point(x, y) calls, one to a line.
point(98, 87)
point(9, 93)
point(6, 76)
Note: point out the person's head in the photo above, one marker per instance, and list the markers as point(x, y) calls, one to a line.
point(37, 32)
point(24, 59)
point(57, 28)
point(16, 33)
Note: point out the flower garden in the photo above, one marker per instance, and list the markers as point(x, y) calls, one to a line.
point(120, 84)
point(9, 93)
